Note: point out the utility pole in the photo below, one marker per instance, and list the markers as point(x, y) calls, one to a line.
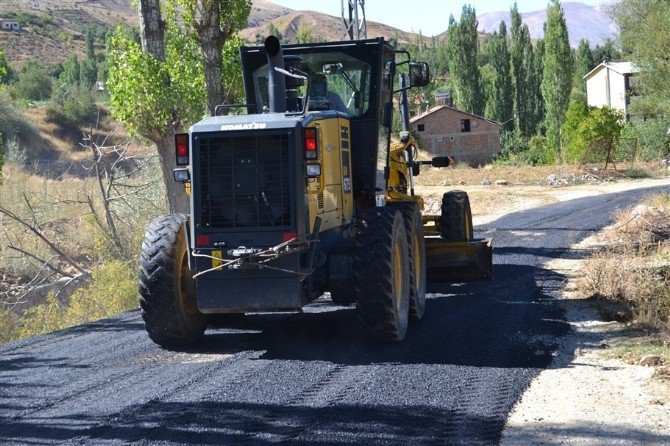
point(353, 20)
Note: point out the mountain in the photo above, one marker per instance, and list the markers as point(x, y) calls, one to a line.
point(53, 29)
point(323, 26)
point(583, 21)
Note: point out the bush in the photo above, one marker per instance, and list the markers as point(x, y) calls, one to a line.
point(34, 83)
point(13, 124)
point(599, 130)
point(72, 107)
point(652, 136)
point(13, 153)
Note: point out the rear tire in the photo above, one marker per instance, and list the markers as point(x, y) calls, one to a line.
point(417, 258)
point(456, 217)
point(381, 274)
point(167, 289)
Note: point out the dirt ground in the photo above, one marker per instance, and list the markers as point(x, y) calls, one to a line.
point(585, 397)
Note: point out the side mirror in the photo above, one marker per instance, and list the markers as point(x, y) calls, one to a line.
point(441, 161)
point(419, 74)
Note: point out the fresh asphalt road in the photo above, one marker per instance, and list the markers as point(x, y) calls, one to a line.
point(312, 378)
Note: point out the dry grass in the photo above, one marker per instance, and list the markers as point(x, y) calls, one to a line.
point(633, 272)
point(65, 144)
point(534, 175)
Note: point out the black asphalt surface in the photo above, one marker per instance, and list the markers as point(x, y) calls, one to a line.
point(311, 378)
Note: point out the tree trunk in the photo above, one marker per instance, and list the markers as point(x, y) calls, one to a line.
point(177, 200)
point(152, 29)
point(211, 38)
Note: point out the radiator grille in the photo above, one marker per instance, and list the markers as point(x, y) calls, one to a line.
point(244, 181)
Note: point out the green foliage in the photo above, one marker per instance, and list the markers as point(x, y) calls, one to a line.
point(3, 67)
point(13, 124)
point(540, 107)
point(557, 74)
point(606, 51)
point(147, 95)
point(583, 64)
point(599, 130)
point(517, 150)
point(500, 103)
point(463, 53)
point(645, 34)
point(273, 31)
point(72, 107)
point(34, 83)
point(231, 72)
point(652, 137)
point(71, 71)
point(90, 44)
point(88, 73)
point(304, 34)
point(525, 80)
point(512, 143)
point(55, 70)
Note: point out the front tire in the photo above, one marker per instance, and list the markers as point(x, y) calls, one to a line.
point(381, 274)
point(417, 258)
point(167, 289)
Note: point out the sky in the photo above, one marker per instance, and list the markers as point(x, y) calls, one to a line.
point(428, 16)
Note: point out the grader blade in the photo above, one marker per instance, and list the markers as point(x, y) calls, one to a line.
point(456, 262)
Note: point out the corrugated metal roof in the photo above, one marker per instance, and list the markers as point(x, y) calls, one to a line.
point(622, 67)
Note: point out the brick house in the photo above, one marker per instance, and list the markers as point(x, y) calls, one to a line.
point(447, 131)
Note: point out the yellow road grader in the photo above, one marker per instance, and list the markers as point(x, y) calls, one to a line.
point(300, 191)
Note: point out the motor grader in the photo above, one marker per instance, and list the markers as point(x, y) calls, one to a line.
point(298, 192)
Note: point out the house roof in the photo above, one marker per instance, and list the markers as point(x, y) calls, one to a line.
point(617, 67)
point(440, 107)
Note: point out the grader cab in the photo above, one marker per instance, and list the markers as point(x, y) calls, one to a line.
point(305, 194)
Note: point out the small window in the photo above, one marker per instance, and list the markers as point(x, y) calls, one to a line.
point(421, 127)
point(465, 125)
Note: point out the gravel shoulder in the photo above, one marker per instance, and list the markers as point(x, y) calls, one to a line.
point(585, 398)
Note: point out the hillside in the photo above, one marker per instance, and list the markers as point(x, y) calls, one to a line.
point(323, 26)
point(54, 29)
point(583, 21)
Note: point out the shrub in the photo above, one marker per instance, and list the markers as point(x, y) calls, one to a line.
point(597, 132)
point(13, 153)
point(72, 107)
point(652, 136)
point(12, 123)
point(34, 83)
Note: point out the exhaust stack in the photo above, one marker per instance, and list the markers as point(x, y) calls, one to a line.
point(276, 81)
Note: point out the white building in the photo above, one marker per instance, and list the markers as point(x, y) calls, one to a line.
point(611, 84)
point(10, 25)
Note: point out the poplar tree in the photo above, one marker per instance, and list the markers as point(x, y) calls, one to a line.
point(463, 50)
point(558, 73)
point(523, 75)
point(500, 103)
point(88, 69)
point(71, 72)
point(583, 64)
point(536, 87)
